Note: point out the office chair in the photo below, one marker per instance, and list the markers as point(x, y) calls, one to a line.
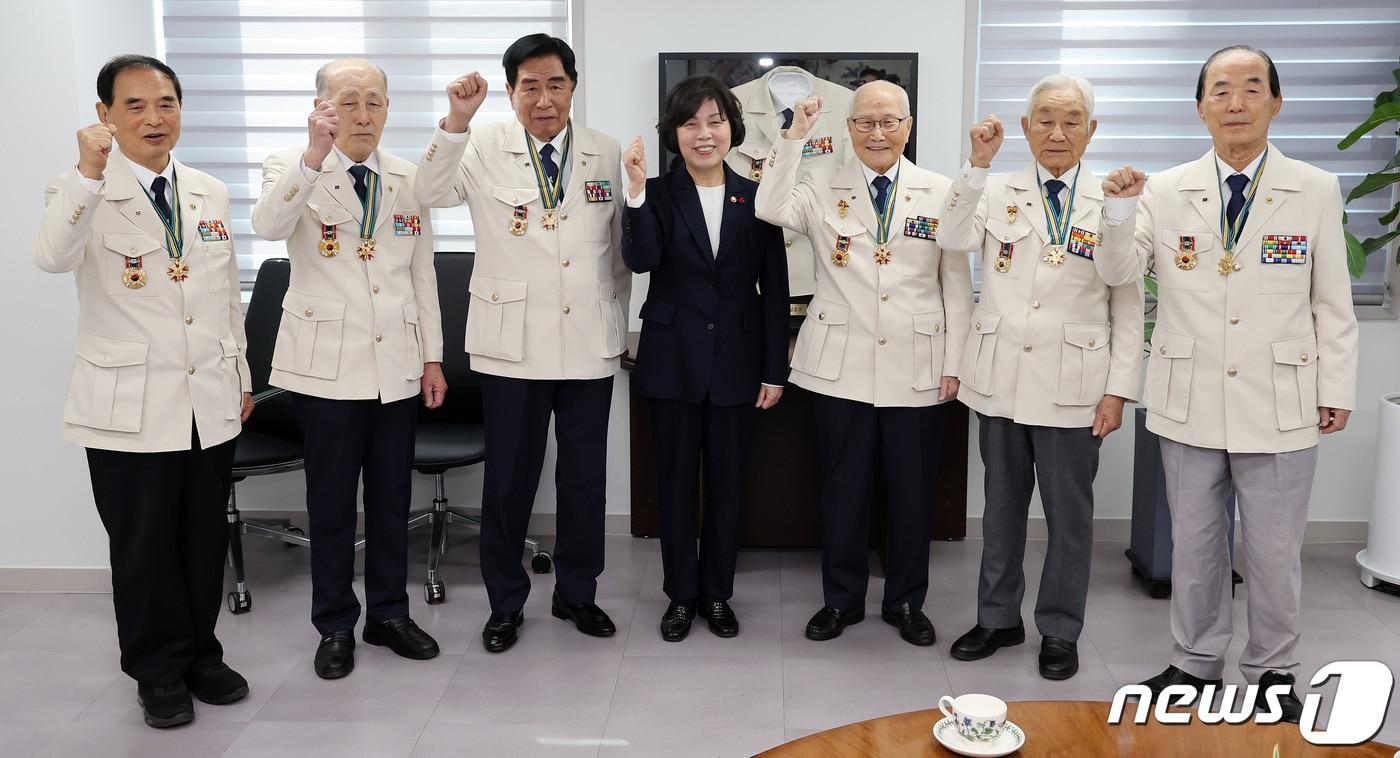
point(453, 436)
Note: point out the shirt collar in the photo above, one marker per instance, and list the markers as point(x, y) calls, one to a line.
point(145, 176)
point(1067, 177)
point(557, 142)
point(371, 163)
point(870, 173)
point(1227, 171)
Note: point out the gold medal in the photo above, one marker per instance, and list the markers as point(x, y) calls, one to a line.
point(840, 257)
point(365, 250)
point(843, 208)
point(329, 247)
point(517, 226)
point(177, 270)
point(134, 277)
point(883, 254)
point(1227, 263)
point(1185, 260)
point(1002, 265)
point(1055, 256)
point(549, 221)
point(1010, 214)
point(756, 169)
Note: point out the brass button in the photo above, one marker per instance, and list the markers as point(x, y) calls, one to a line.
point(374, 289)
point(189, 320)
point(787, 243)
point(566, 310)
point(1162, 350)
point(190, 370)
point(937, 328)
point(1091, 343)
point(564, 217)
point(882, 340)
point(131, 250)
point(1231, 372)
point(308, 313)
point(1035, 305)
point(1238, 267)
point(977, 326)
point(566, 263)
point(494, 297)
point(885, 297)
point(378, 338)
point(1234, 319)
point(1304, 357)
point(821, 316)
point(1026, 348)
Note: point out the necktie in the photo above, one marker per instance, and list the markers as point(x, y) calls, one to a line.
point(360, 172)
point(1237, 183)
point(787, 117)
point(162, 204)
point(551, 169)
point(1052, 190)
point(882, 191)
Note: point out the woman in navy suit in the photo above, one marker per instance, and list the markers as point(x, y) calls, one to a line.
point(714, 339)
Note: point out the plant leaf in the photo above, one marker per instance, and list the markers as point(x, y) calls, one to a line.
point(1376, 243)
point(1150, 284)
point(1390, 216)
point(1356, 256)
point(1373, 182)
point(1384, 112)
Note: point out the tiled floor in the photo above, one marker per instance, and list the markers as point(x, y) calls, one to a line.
point(558, 693)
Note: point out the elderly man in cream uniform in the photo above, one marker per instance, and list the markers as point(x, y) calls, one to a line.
point(1052, 356)
point(767, 104)
point(879, 348)
point(1254, 355)
point(360, 340)
point(159, 384)
point(547, 323)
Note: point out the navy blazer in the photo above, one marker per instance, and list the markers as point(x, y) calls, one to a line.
point(706, 330)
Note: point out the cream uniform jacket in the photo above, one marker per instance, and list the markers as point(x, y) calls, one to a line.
point(351, 329)
point(1047, 343)
point(1241, 362)
point(826, 148)
point(545, 304)
point(878, 334)
point(148, 359)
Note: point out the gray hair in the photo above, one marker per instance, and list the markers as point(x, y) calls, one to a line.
point(1057, 82)
point(323, 83)
point(876, 85)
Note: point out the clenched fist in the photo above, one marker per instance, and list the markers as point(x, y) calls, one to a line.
point(321, 128)
point(464, 96)
point(94, 145)
point(987, 136)
point(634, 160)
point(804, 114)
point(1124, 182)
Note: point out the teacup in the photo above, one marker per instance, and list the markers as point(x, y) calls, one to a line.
point(978, 718)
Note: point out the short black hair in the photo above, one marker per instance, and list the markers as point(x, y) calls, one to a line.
point(538, 46)
point(687, 97)
point(1274, 88)
point(107, 77)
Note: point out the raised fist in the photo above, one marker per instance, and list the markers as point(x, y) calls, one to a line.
point(987, 136)
point(634, 161)
point(94, 145)
point(464, 97)
point(804, 114)
point(321, 128)
point(1124, 182)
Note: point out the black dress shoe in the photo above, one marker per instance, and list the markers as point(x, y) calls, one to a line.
point(167, 706)
point(335, 656)
point(588, 617)
point(721, 617)
point(1059, 658)
point(1291, 706)
point(913, 625)
point(981, 642)
point(675, 623)
point(217, 684)
point(402, 636)
point(1174, 675)
point(501, 631)
point(829, 622)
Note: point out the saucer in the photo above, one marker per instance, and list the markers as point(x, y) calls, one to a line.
point(1011, 740)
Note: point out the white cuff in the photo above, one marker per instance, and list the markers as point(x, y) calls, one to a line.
point(311, 176)
point(974, 177)
point(1116, 210)
point(455, 136)
point(636, 202)
point(774, 386)
point(92, 185)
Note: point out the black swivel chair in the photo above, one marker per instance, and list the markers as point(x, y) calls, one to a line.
point(270, 442)
point(452, 436)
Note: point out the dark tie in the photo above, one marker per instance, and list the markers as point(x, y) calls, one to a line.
point(158, 194)
point(1052, 190)
point(787, 117)
point(361, 173)
point(1237, 183)
point(882, 192)
point(551, 169)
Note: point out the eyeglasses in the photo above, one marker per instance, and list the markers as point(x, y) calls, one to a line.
point(887, 125)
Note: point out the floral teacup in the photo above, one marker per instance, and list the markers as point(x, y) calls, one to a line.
point(978, 718)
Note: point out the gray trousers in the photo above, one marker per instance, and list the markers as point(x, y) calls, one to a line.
point(1272, 490)
point(1065, 461)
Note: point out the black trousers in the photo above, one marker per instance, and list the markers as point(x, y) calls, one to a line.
point(517, 413)
point(167, 535)
point(855, 441)
point(344, 440)
point(684, 434)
